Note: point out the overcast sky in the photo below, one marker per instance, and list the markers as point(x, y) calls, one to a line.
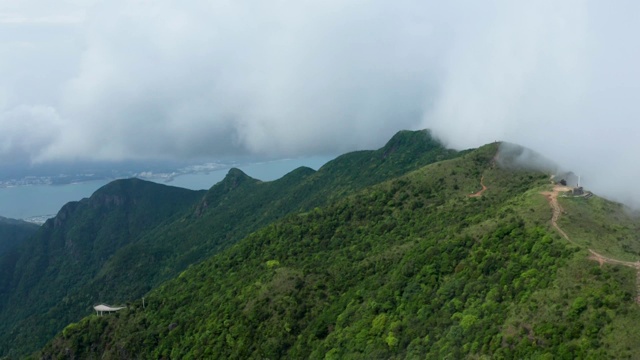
point(114, 80)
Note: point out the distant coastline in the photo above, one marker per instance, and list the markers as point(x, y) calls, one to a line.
point(38, 198)
point(151, 175)
point(39, 219)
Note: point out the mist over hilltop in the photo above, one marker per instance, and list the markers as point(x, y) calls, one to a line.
point(119, 80)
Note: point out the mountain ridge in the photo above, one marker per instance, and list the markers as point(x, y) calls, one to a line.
point(413, 267)
point(205, 224)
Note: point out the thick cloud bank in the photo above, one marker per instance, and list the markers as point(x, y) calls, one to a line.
point(111, 80)
point(560, 78)
point(204, 78)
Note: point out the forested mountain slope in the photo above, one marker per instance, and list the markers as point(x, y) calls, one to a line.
point(411, 268)
point(13, 232)
point(69, 250)
point(229, 211)
point(239, 205)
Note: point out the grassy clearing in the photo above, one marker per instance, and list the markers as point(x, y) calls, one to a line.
point(602, 225)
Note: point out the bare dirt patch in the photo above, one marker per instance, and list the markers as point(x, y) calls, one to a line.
point(484, 188)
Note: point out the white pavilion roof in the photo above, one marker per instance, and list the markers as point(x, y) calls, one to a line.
point(103, 307)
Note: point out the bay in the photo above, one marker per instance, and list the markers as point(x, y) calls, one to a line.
point(26, 202)
point(36, 203)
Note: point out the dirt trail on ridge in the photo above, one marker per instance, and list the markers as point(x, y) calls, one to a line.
point(552, 197)
point(484, 188)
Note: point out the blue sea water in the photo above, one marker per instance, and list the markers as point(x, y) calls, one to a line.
point(42, 201)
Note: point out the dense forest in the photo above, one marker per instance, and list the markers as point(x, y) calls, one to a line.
point(132, 235)
point(13, 232)
point(413, 267)
point(41, 281)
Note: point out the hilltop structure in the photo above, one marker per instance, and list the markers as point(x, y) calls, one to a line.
point(577, 190)
point(102, 308)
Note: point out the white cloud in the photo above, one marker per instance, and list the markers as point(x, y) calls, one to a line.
point(279, 78)
point(557, 77)
point(168, 79)
point(27, 131)
point(55, 19)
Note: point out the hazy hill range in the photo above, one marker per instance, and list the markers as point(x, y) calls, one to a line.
point(68, 250)
point(13, 232)
point(132, 235)
point(460, 258)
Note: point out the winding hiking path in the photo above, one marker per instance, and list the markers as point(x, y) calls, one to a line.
point(552, 197)
point(484, 188)
point(607, 260)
